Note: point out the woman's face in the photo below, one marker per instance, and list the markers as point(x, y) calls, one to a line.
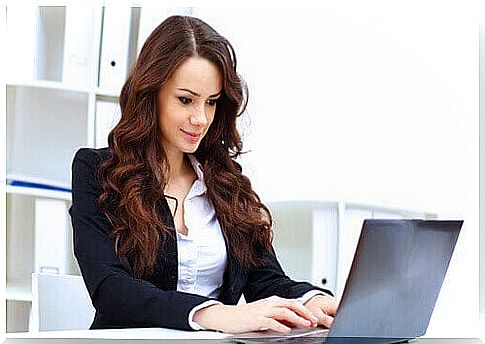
point(187, 104)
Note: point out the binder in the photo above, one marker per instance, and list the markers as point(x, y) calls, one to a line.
point(108, 114)
point(152, 16)
point(22, 27)
point(351, 224)
point(51, 227)
point(80, 52)
point(115, 47)
point(325, 245)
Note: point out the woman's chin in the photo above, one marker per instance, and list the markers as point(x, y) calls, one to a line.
point(190, 149)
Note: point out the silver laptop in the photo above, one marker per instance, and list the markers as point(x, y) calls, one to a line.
point(396, 276)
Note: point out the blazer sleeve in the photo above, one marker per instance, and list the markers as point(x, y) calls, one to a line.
point(269, 279)
point(118, 297)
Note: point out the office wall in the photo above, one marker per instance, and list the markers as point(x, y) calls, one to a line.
point(482, 172)
point(371, 102)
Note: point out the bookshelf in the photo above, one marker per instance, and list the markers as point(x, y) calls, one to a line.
point(62, 94)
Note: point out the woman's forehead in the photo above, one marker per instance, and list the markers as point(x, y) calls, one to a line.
point(198, 75)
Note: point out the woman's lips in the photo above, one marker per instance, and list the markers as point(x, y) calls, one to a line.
point(193, 137)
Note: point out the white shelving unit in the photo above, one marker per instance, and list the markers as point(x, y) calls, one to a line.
point(60, 97)
point(52, 92)
point(17, 291)
point(38, 193)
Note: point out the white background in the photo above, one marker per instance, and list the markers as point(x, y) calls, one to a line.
point(369, 101)
point(373, 102)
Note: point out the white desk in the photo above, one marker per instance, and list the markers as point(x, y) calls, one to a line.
point(152, 336)
point(147, 335)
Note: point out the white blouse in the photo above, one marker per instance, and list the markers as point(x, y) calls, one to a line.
point(202, 255)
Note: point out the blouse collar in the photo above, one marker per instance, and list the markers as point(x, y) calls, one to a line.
point(197, 166)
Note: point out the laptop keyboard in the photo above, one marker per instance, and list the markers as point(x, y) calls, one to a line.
point(297, 335)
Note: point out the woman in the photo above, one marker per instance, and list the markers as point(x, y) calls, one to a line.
point(167, 230)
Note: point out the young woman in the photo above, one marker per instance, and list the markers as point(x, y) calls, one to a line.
point(167, 230)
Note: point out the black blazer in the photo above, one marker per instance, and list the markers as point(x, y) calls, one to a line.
point(122, 300)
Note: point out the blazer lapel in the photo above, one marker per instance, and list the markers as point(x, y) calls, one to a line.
point(234, 277)
point(165, 274)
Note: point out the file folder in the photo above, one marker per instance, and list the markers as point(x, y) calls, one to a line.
point(22, 27)
point(115, 47)
point(152, 16)
point(81, 46)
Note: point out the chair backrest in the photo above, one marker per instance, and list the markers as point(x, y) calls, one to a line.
point(60, 302)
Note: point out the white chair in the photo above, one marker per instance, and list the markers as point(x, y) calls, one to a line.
point(60, 302)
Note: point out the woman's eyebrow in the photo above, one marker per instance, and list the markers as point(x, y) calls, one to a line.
point(195, 93)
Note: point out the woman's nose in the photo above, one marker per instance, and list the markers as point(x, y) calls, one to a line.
point(198, 117)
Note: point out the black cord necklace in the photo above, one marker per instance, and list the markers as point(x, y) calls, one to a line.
point(176, 204)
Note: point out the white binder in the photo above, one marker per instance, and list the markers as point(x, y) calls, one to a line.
point(325, 243)
point(22, 26)
point(108, 114)
point(51, 227)
point(151, 16)
point(115, 47)
point(349, 231)
point(81, 46)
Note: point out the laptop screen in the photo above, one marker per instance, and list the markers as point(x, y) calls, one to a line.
point(395, 278)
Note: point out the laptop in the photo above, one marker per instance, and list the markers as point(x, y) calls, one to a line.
point(394, 281)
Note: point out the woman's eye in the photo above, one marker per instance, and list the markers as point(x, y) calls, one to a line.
point(212, 101)
point(185, 100)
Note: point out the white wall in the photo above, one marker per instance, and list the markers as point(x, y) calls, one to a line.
point(372, 102)
point(482, 172)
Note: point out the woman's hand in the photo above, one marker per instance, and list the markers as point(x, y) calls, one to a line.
point(323, 307)
point(273, 313)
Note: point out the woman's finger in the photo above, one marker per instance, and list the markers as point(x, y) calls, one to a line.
point(275, 325)
point(324, 319)
point(289, 317)
point(298, 308)
point(331, 306)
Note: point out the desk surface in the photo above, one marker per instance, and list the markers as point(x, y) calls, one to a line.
point(154, 335)
point(127, 333)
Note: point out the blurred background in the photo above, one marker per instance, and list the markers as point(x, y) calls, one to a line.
point(356, 110)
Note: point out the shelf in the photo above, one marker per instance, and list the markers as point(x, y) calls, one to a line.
point(36, 192)
point(46, 84)
point(19, 291)
point(60, 86)
point(109, 94)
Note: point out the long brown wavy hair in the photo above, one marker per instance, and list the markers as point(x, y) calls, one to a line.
point(134, 177)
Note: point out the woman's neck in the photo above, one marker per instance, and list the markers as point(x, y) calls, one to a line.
point(178, 165)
